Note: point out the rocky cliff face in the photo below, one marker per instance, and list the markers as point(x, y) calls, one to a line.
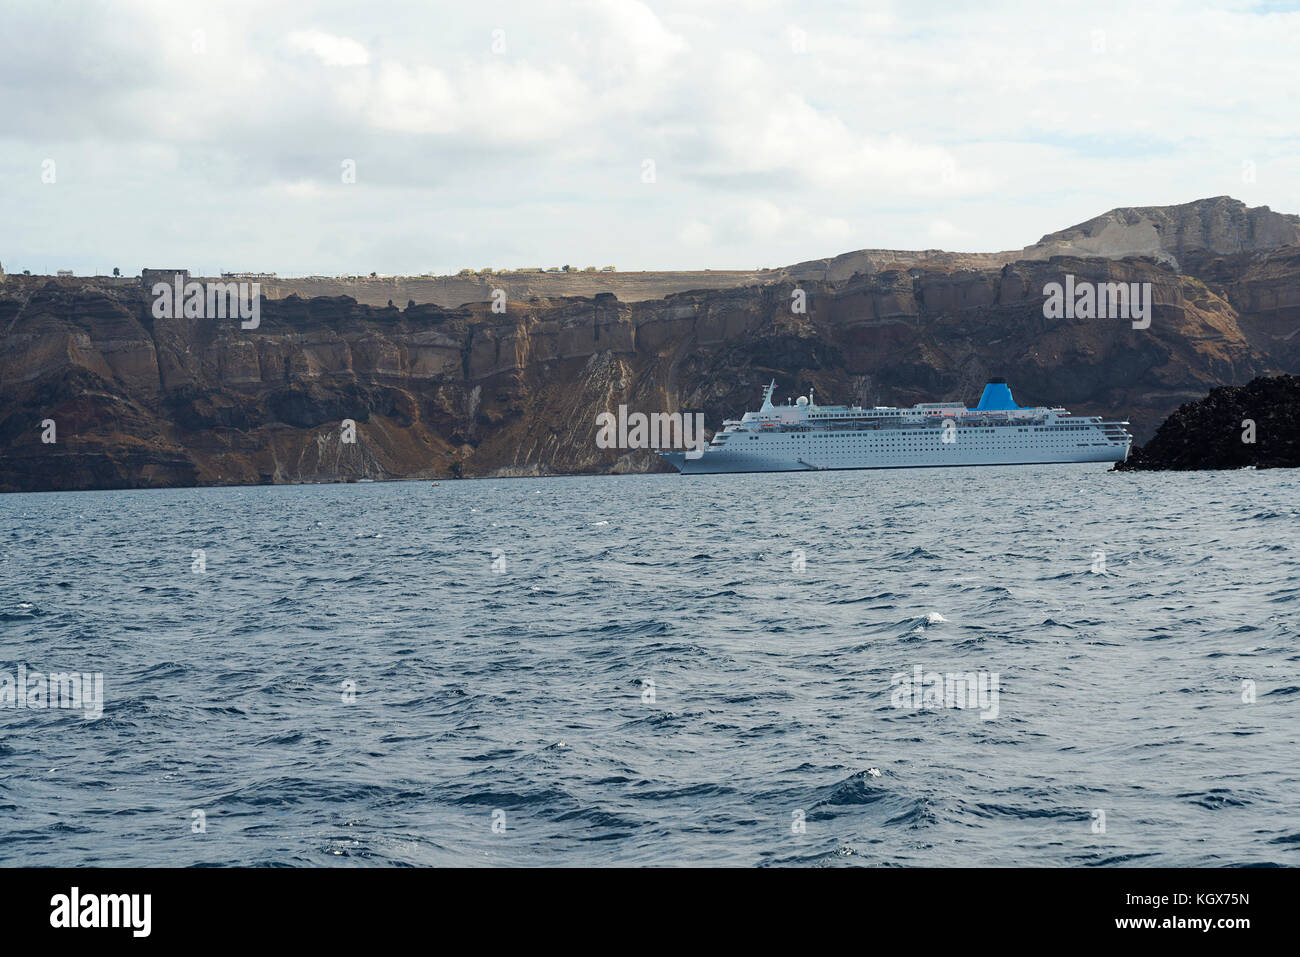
point(431, 391)
point(1256, 425)
point(1170, 233)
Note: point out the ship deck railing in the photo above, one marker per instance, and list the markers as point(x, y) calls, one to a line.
point(897, 426)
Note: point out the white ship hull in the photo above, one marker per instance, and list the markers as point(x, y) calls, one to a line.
point(811, 438)
point(773, 453)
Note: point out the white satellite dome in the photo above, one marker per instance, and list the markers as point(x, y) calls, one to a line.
point(802, 400)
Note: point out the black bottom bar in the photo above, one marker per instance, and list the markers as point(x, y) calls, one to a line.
point(935, 908)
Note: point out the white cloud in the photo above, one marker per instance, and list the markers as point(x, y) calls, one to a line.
point(329, 49)
point(303, 189)
point(764, 218)
point(695, 234)
point(898, 127)
point(947, 236)
point(834, 230)
point(492, 102)
point(404, 99)
point(634, 42)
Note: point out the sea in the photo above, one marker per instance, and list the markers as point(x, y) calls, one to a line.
point(1054, 665)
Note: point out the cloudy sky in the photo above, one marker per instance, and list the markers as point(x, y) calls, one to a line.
point(655, 135)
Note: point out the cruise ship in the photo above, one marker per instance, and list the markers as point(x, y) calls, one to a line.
point(804, 436)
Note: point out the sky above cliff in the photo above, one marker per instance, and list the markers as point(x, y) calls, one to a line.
point(337, 137)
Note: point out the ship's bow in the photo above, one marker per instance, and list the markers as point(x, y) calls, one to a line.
point(676, 459)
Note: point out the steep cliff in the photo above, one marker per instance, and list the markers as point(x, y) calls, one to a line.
point(1175, 235)
point(329, 389)
point(1171, 233)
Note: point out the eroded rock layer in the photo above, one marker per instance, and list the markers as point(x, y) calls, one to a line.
point(435, 391)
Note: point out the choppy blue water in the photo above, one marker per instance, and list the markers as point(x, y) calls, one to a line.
point(770, 735)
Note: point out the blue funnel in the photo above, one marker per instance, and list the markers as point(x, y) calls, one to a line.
point(996, 397)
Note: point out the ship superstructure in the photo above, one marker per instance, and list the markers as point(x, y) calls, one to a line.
point(805, 436)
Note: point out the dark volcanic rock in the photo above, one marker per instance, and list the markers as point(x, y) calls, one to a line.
point(1217, 431)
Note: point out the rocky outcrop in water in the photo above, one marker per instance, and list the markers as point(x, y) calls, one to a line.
point(1256, 425)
